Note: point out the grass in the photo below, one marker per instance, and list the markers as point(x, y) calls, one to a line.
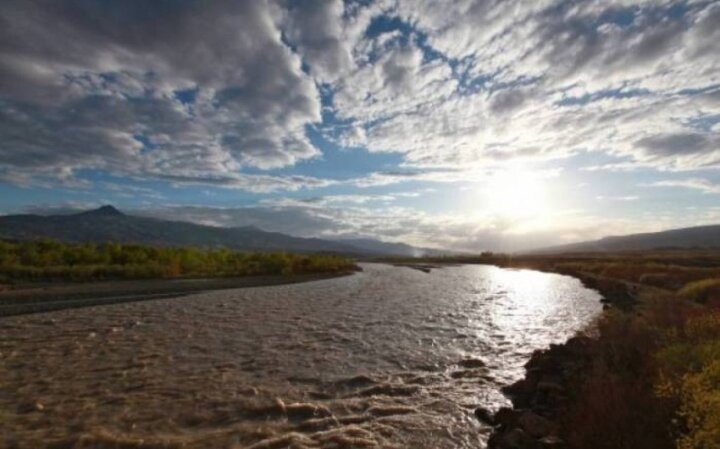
point(49, 260)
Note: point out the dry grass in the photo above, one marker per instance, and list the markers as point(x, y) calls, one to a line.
point(703, 291)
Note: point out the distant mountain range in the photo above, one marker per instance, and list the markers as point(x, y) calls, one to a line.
point(109, 224)
point(703, 237)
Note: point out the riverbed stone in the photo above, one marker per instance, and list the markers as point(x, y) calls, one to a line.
point(506, 417)
point(552, 442)
point(550, 387)
point(534, 424)
point(485, 416)
point(513, 439)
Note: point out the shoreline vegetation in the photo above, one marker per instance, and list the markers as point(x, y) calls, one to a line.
point(47, 260)
point(649, 377)
point(44, 275)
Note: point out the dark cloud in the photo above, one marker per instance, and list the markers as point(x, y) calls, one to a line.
point(95, 84)
point(509, 100)
point(664, 145)
point(580, 41)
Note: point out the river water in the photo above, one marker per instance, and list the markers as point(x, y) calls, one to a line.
point(391, 357)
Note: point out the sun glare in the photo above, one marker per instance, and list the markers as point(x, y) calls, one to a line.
point(517, 194)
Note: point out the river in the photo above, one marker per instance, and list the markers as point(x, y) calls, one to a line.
point(391, 357)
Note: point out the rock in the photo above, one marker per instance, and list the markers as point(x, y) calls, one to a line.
point(552, 442)
point(533, 374)
point(506, 417)
point(471, 363)
point(520, 388)
point(548, 386)
point(513, 439)
point(485, 416)
point(534, 424)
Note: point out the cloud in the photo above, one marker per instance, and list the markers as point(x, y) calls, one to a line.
point(703, 185)
point(257, 183)
point(680, 144)
point(479, 83)
point(618, 198)
point(174, 88)
point(316, 28)
point(219, 93)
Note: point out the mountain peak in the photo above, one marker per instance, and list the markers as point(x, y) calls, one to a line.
point(105, 211)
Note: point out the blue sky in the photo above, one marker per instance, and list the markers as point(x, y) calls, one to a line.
point(462, 124)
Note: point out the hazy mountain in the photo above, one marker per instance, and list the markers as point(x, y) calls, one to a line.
point(109, 224)
point(399, 249)
point(695, 237)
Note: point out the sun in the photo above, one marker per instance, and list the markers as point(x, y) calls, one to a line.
point(517, 194)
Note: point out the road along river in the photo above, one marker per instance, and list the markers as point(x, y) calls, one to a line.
point(391, 357)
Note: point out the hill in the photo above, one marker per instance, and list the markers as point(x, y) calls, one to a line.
point(109, 224)
point(698, 237)
point(394, 249)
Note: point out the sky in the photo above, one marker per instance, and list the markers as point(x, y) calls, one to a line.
point(465, 124)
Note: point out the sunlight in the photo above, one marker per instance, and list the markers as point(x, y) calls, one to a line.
point(517, 194)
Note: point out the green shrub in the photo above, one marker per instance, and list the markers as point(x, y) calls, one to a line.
point(48, 260)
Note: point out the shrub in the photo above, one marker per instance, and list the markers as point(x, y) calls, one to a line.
point(47, 260)
point(704, 291)
point(700, 408)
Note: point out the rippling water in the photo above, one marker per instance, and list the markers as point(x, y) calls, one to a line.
point(391, 357)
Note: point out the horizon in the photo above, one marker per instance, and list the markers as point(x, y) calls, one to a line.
point(478, 126)
point(105, 208)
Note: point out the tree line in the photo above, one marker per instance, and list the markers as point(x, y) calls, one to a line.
point(50, 260)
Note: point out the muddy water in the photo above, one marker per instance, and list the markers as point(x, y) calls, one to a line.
point(391, 357)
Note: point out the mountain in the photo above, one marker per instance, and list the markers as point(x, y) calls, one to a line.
point(396, 249)
point(703, 237)
point(109, 224)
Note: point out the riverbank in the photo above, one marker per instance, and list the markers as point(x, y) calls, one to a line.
point(649, 379)
point(591, 392)
point(35, 298)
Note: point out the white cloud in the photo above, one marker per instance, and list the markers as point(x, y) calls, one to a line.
point(626, 84)
point(316, 28)
point(618, 198)
point(463, 85)
point(703, 185)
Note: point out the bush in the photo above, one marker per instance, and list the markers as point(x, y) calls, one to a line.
point(48, 260)
point(704, 291)
point(700, 408)
point(690, 373)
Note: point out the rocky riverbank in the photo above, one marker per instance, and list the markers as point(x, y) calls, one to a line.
point(539, 399)
point(552, 376)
